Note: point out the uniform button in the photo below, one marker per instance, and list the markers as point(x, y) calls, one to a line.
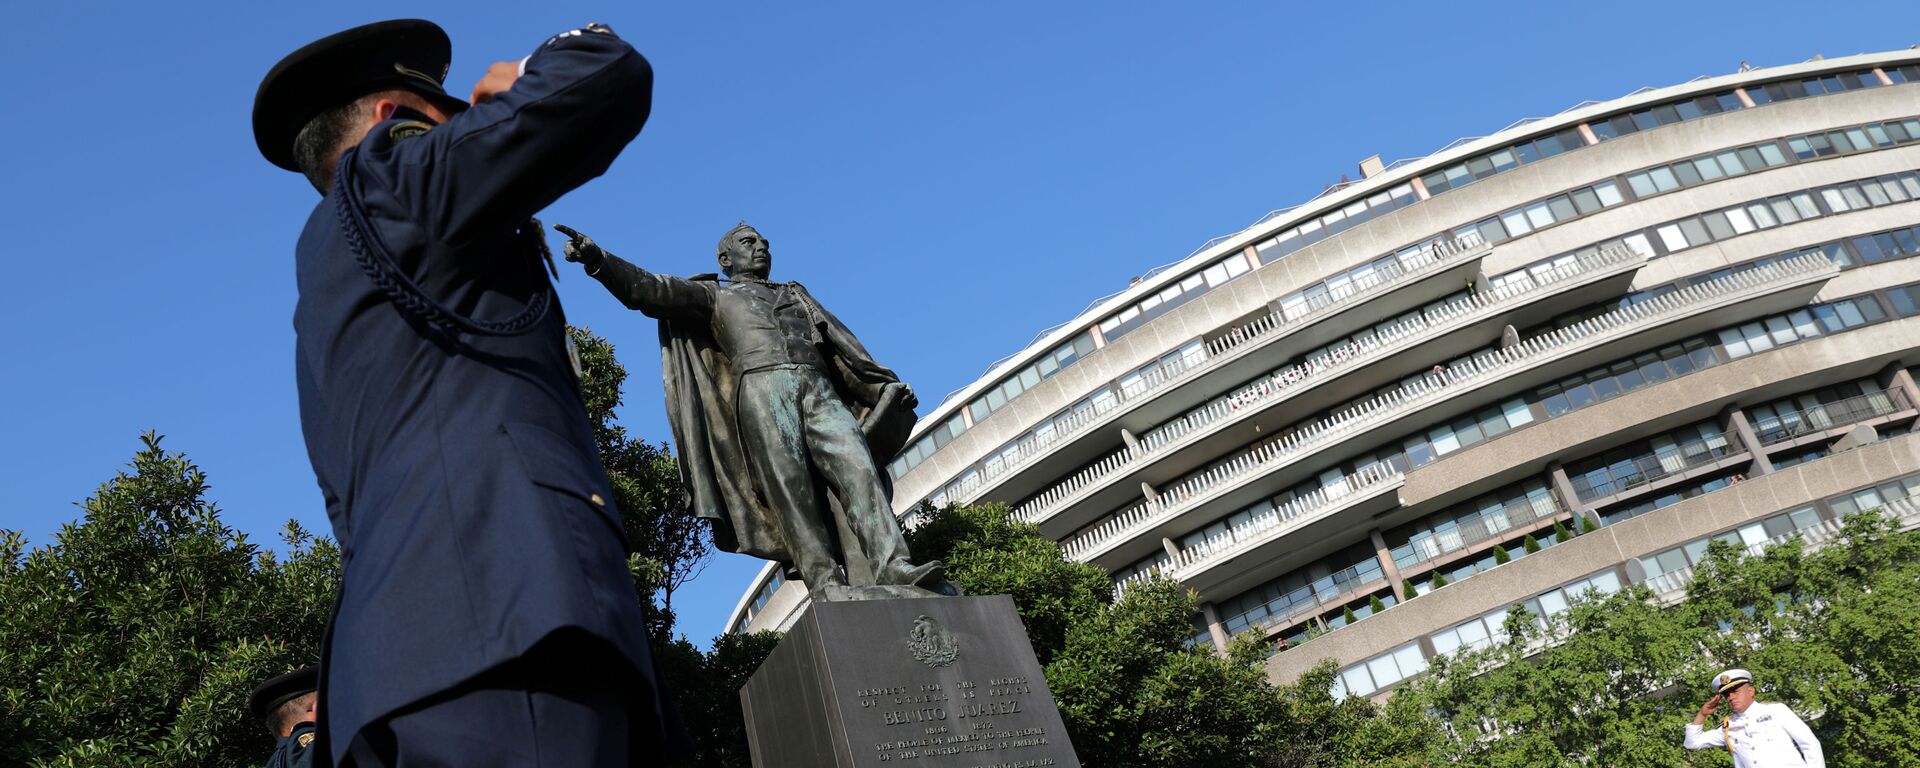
point(597, 501)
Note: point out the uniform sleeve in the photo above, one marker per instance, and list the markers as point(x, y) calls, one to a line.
point(1704, 738)
point(1802, 737)
point(658, 296)
point(583, 97)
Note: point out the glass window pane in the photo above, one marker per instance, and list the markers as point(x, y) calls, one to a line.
point(1695, 231)
point(1516, 223)
point(1359, 683)
point(1854, 196)
point(1894, 191)
point(1385, 672)
point(1663, 179)
point(1717, 225)
point(1671, 237)
point(1410, 661)
point(1803, 203)
point(1835, 202)
point(1585, 201)
point(1562, 208)
point(1875, 195)
point(1609, 193)
point(1709, 169)
point(1738, 218)
point(1784, 210)
point(1539, 215)
point(1606, 583)
point(1642, 184)
point(1516, 412)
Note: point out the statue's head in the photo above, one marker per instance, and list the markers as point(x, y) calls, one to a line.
point(744, 253)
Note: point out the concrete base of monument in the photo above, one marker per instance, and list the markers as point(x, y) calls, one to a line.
point(929, 682)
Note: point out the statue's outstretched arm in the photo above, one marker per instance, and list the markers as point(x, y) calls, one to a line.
point(656, 295)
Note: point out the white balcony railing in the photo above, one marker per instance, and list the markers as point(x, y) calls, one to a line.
point(1472, 374)
point(1287, 380)
point(1265, 528)
point(1378, 282)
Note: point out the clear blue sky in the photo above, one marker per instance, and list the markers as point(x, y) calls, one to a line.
point(949, 178)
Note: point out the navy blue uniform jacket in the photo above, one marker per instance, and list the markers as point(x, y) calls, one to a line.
point(458, 466)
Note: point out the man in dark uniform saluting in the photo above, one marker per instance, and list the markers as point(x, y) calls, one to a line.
point(486, 615)
point(286, 705)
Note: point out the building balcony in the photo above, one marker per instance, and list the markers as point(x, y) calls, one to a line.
point(1660, 468)
point(1438, 548)
point(1324, 513)
point(1793, 429)
point(1235, 356)
point(1614, 549)
point(1325, 595)
point(1276, 464)
point(1183, 443)
point(1669, 404)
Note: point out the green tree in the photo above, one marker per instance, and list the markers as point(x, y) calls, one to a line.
point(1588, 524)
point(1560, 532)
point(1321, 731)
point(1133, 694)
point(1530, 544)
point(707, 691)
point(1347, 617)
point(1407, 588)
point(1611, 680)
point(671, 545)
point(1591, 699)
point(988, 553)
point(1828, 632)
point(1374, 605)
point(1500, 556)
point(134, 637)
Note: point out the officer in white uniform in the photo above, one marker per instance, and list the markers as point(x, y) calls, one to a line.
point(1757, 734)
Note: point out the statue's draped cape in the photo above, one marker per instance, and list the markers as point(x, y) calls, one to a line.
point(701, 385)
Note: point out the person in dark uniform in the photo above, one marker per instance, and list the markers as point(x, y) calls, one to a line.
point(486, 615)
point(286, 704)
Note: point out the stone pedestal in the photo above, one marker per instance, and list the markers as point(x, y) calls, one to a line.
point(926, 683)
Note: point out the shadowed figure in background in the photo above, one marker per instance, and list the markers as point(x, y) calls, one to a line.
point(780, 419)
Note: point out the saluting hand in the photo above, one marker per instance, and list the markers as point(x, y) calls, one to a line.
point(498, 79)
point(580, 248)
point(1707, 710)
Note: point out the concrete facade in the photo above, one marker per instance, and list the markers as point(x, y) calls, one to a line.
point(1604, 549)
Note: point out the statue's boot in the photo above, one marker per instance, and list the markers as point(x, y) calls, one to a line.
point(819, 589)
point(929, 575)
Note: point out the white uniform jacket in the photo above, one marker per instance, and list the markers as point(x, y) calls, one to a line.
point(1767, 735)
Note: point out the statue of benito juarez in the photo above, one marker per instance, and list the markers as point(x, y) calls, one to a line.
point(780, 419)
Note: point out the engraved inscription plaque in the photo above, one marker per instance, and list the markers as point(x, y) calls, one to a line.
point(933, 683)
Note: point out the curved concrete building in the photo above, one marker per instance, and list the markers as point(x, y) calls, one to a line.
point(1355, 427)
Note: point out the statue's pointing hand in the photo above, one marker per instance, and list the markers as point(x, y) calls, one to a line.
point(580, 248)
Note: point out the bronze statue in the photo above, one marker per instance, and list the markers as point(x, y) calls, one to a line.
point(780, 419)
